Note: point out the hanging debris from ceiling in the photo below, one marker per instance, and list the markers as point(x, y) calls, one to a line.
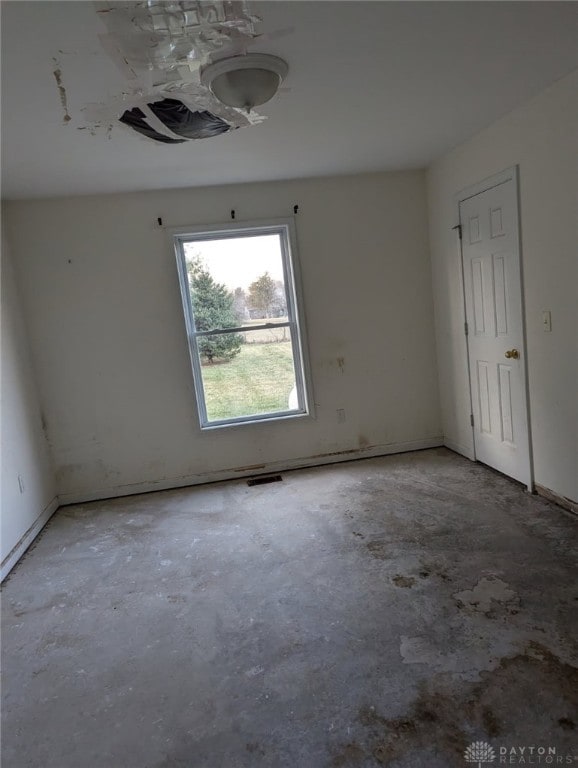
point(160, 47)
point(170, 121)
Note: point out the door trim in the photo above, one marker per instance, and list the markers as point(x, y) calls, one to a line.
point(509, 174)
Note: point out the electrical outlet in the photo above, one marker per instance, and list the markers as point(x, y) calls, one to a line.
point(340, 415)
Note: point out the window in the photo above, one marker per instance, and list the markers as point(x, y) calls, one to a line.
point(238, 284)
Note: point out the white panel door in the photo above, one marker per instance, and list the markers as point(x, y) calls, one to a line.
point(493, 300)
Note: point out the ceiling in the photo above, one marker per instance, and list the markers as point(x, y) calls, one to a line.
point(372, 86)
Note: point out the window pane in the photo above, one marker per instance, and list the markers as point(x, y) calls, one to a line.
point(248, 374)
point(241, 279)
point(236, 281)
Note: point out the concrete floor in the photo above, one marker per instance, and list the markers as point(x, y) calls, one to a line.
point(381, 612)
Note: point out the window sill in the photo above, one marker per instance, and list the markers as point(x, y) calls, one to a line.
point(257, 420)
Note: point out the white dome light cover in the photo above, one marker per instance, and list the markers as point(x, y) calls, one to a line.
point(245, 81)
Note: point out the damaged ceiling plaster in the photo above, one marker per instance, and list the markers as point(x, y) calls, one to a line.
point(162, 48)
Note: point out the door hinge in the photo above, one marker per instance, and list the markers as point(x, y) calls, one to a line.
point(472, 419)
point(459, 228)
point(466, 329)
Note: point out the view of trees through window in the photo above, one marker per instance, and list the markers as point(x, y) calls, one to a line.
point(237, 290)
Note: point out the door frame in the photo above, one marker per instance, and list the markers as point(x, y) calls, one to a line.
point(509, 174)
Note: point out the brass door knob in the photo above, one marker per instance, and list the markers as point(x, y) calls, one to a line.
point(513, 353)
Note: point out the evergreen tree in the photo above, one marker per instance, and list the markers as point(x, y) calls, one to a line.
point(213, 306)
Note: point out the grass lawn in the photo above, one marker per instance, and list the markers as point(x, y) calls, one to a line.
point(258, 380)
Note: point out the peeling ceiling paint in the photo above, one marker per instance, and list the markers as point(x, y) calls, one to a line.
point(159, 46)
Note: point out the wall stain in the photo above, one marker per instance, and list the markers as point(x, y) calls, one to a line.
point(350, 452)
point(250, 467)
point(44, 425)
point(57, 73)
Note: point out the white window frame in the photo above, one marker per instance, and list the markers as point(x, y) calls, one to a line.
point(285, 228)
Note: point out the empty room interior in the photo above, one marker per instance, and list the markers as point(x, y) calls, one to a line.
point(289, 384)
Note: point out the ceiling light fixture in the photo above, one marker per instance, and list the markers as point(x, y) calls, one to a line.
point(245, 81)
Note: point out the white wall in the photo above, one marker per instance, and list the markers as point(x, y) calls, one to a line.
point(25, 453)
point(541, 137)
point(102, 301)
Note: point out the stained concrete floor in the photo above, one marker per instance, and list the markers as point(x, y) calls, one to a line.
point(381, 612)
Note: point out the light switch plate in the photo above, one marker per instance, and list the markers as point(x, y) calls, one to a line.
point(547, 321)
